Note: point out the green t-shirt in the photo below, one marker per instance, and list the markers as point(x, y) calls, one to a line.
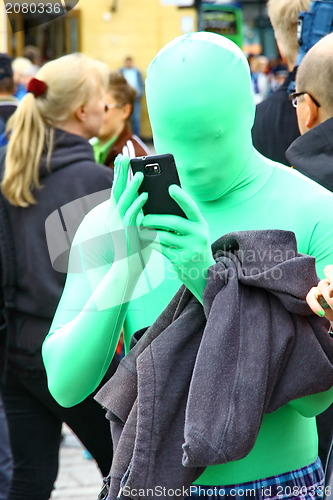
point(101, 150)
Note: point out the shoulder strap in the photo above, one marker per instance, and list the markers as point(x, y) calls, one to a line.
point(7, 269)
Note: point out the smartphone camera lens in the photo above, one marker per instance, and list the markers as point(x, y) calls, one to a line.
point(152, 169)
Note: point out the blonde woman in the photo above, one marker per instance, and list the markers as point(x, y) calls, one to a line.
point(48, 164)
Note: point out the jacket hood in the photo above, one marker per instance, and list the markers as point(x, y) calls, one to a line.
point(70, 146)
point(311, 154)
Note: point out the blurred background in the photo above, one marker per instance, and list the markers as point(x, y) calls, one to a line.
point(111, 30)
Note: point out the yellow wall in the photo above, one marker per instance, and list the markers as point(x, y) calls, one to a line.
point(138, 28)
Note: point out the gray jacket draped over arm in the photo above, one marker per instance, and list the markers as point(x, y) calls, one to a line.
point(194, 389)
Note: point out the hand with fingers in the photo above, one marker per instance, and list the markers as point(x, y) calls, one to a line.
point(320, 297)
point(125, 206)
point(185, 242)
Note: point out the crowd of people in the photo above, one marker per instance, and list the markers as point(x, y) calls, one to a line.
point(266, 76)
point(227, 379)
point(50, 175)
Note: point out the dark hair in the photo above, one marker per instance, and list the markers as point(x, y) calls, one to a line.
point(6, 69)
point(121, 89)
point(32, 53)
point(7, 85)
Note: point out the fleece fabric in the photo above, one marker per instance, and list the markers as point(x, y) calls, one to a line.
point(72, 184)
point(311, 154)
point(194, 389)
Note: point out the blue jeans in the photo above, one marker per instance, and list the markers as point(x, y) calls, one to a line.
point(5, 455)
point(136, 117)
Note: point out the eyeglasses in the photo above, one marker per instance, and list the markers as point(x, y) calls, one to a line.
point(112, 106)
point(293, 98)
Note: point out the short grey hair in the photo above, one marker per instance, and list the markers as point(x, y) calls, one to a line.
point(315, 73)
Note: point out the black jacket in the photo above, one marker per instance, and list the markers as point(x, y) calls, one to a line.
point(312, 154)
point(73, 174)
point(275, 125)
point(192, 392)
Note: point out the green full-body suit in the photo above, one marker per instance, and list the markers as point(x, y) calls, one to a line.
point(201, 110)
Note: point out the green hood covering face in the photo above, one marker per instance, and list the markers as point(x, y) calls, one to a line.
point(201, 109)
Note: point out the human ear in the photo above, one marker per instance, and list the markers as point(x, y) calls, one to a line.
point(80, 113)
point(127, 110)
point(311, 111)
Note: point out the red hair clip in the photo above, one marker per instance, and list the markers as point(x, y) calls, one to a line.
point(37, 87)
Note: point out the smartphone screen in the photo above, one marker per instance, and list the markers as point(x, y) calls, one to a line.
point(159, 173)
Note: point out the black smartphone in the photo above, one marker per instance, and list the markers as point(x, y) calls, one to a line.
point(159, 173)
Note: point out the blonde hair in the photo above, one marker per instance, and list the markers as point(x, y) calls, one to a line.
point(23, 66)
point(283, 15)
point(71, 81)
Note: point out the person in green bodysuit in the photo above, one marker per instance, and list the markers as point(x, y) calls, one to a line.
point(201, 110)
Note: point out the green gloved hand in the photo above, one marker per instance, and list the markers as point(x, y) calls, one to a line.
point(185, 242)
point(125, 205)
